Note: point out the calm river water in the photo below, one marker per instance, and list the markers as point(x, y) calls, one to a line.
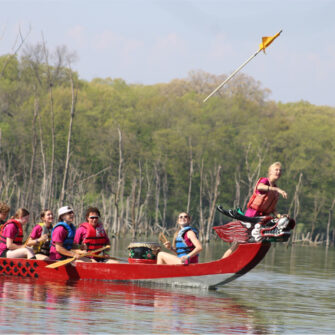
point(291, 292)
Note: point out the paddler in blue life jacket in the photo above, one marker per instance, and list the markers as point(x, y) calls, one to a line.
point(62, 236)
point(185, 244)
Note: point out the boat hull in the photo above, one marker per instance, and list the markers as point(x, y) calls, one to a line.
point(210, 274)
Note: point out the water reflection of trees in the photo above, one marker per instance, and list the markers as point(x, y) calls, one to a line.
point(129, 308)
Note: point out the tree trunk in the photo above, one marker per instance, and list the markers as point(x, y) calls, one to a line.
point(215, 192)
point(119, 182)
point(201, 213)
point(330, 217)
point(68, 148)
point(190, 178)
point(30, 188)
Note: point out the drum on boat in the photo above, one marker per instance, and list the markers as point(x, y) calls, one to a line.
point(143, 252)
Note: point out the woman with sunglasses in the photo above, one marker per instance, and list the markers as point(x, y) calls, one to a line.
point(185, 245)
point(92, 233)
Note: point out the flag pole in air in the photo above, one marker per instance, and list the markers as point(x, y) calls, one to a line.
point(266, 41)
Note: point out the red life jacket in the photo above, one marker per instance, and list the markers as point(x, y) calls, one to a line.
point(95, 237)
point(19, 235)
point(263, 203)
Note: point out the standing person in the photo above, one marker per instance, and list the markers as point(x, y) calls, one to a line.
point(62, 236)
point(92, 233)
point(264, 198)
point(11, 236)
point(266, 193)
point(4, 210)
point(40, 236)
point(185, 245)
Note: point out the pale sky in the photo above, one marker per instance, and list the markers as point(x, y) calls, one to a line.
point(154, 41)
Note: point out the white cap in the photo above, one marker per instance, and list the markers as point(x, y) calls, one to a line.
point(64, 210)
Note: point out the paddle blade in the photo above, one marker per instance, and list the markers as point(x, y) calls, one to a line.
point(232, 232)
point(162, 238)
point(60, 263)
point(69, 260)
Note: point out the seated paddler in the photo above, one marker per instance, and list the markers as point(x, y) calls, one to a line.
point(4, 211)
point(62, 237)
point(92, 234)
point(40, 236)
point(11, 236)
point(185, 246)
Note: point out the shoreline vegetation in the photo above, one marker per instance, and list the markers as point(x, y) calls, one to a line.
point(143, 153)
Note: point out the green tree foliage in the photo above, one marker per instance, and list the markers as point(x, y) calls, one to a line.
point(161, 125)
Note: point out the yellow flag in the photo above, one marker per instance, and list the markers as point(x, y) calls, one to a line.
point(266, 41)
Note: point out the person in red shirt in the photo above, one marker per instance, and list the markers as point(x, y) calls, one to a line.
point(11, 236)
point(4, 210)
point(62, 237)
point(40, 236)
point(92, 233)
point(264, 198)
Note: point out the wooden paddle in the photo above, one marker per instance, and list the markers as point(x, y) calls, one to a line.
point(162, 238)
point(71, 259)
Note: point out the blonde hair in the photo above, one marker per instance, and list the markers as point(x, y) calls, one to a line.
point(20, 213)
point(176, 233)
point(272, 166)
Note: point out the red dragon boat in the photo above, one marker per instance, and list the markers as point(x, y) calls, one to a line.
point(210, 274)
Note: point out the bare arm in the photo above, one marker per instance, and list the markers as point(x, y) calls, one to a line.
point(267, 188)
point(11, 245)
point(36, 241)
point(198, 247)
point(69, 253)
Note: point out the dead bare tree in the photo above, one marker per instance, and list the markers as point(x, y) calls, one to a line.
point(319, 202)
point(31, 185)
point(118, 185)
point(330, 218)
point(20, 40)
point(201, 212)
point(295, 203)
point(190, 177)
point(157, 193)
point(74, 92)
point(252, 173)
point(165, 198)
point(213, 193)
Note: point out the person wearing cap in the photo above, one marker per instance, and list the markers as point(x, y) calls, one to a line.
point(92, 233)
point(62, 236)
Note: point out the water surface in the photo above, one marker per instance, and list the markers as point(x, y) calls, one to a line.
point(291, 291)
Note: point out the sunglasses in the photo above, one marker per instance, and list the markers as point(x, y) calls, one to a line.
point(94, 217)
point(183, 217)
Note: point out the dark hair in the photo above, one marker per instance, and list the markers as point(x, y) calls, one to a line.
point(20, 213)
point(42, 215)
point(91, 210)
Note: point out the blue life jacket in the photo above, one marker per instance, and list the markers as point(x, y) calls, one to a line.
point(71, 231)
point(182, 248)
